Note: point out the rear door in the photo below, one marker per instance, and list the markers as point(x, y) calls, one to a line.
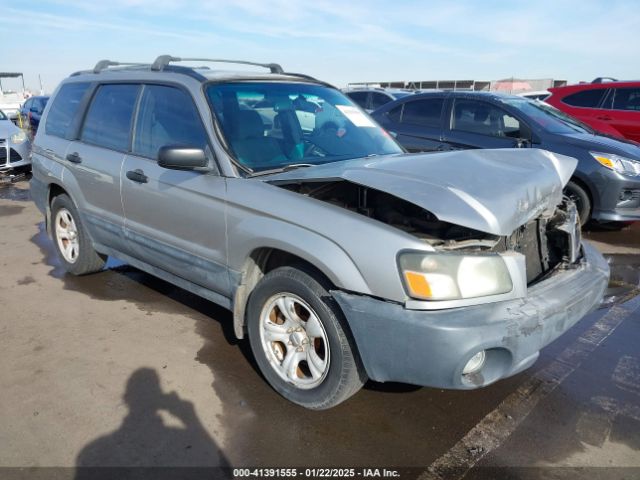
point(625, 112)
point(588, 105)
point(480, 124)
point(95, 160)
point(175, 219)
point(416, 123)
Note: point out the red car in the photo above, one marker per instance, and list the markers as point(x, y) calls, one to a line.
point(611, 107)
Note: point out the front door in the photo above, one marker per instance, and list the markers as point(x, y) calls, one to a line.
point(174, 219)
point(480, 124)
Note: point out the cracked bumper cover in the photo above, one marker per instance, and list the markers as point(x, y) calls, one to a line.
point(431, 348)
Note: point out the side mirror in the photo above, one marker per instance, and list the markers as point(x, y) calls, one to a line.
point(182, 158)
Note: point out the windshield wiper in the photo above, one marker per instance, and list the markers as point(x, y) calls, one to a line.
point(286, 168)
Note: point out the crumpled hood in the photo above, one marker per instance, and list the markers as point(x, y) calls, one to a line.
point(493, 191)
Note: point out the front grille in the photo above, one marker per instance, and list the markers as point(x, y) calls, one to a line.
point(527, 241)
point(3, 153)
point(14, 156)
point(546, 243)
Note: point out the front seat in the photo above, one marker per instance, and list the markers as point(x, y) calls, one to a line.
point(251, 147)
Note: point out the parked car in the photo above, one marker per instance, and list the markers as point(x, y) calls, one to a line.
point(371, 98)
point(15, 147)
point(31, 111)
point(611, 107)
point(541, 95)
point(341, 258)
point(606, 184)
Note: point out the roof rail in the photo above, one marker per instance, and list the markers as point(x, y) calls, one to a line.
point(164, 60)
point(104, 64)
point(604, 80)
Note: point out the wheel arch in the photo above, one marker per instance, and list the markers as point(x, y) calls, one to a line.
point(262, 260)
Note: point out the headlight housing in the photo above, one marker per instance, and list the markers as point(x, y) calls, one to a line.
point(624, 165)
point(18, 138)
point(451, 276)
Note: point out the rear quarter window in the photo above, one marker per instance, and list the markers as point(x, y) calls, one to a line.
point(585, 98)
point(65, 108)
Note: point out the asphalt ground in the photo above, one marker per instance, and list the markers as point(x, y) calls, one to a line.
point(120, 369)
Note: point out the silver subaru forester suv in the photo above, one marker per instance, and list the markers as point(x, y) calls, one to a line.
point(342, 257)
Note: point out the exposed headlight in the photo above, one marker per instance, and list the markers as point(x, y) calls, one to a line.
point(620, 164)
point(451, 276)
point(19, 137)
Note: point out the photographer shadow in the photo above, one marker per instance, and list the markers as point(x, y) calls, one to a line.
point(144, 442)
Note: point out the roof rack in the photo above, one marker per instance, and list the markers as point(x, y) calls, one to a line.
point(104, 64)
point(163, 60)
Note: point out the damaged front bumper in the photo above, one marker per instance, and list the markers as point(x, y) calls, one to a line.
point(431, 348)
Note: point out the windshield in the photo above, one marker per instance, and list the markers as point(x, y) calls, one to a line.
point(270, 126)
point(548, 117)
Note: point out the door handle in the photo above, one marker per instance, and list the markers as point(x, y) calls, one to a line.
point(603, 117)
point(137, 175)
point(74, 157)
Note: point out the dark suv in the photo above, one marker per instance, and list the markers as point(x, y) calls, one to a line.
point(606, 183)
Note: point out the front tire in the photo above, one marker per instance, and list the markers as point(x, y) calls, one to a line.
point(581, 198)
point(300, 341)
point(70, 238)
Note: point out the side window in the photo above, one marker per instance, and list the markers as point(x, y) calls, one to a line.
point(27, 104)
point(627, 99)
point(484, 119)
point(379, 99)
point(425, 112)
point(585, 98)
point(359, 97)
point(167, 116)
point(64, 108)
point(108, 120)
point(395, 114)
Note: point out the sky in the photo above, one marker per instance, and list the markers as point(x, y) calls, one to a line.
point(336, 41)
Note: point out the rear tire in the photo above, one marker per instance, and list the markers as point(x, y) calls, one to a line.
point(300, 339)
point(70, 238)
point(581, 198)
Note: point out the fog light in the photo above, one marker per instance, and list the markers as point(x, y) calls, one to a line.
point(475, 363)
point(626, 195)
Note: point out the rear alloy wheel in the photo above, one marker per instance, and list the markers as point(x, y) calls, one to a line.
point(300, 339)
point(581, 198)
point(71, 240)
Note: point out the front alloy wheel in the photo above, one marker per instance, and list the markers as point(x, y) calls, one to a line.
point(294, 340)
point(301, 340)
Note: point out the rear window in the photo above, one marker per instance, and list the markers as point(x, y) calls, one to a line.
point(64, 109)
point(585, 98)
point(108, 120)
point(424, 112)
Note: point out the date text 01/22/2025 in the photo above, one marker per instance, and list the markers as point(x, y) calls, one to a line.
point(315, 473)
